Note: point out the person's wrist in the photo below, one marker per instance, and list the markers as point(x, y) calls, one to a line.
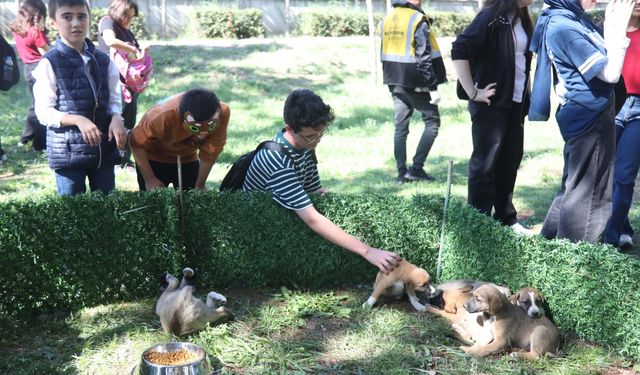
point(475, 94)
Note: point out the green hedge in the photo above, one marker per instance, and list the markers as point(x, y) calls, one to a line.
point(341, 22)
point(136, 26)
point(218, 22)
point(67, 253)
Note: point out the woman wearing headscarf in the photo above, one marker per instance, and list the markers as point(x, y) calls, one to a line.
point(585, 65)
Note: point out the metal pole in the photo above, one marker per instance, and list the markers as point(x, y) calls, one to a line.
point(444, 221)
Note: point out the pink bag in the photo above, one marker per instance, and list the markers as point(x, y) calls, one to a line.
point(136, 73)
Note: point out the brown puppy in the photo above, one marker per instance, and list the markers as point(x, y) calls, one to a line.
point(469, 328)
point(511, 326)
point(530, 300)
point(183, 313)
point(406, 277)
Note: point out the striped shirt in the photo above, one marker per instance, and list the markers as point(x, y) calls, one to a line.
point(289, 182)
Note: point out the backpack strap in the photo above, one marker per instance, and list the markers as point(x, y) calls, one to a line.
point(277, 147)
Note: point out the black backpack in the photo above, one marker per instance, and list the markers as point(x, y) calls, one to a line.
point(234, 179)
point(9, 72)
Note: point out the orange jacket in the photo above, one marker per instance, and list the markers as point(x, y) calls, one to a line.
point(161, 134)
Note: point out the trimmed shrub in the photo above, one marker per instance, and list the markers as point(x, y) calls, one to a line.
point(333, 22)
point(69, 252)
point(218, 22)
point(136, 26)
point(340, 22)
point(449, 23)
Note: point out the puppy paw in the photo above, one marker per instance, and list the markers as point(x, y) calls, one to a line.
point(465, 348)
point(169, 277)
point(370, 302)
point(217, 297)
point(187, 272)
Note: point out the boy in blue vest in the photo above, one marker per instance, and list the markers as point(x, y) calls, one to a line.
point(77, 96)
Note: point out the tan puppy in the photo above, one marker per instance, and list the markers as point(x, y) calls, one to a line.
point(406, 277)
point(511, 326)
point(530, 300)
point(469, 328)
point(182, 313)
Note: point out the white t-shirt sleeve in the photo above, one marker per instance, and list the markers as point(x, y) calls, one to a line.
point(115, 90)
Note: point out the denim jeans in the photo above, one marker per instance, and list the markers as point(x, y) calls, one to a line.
point(72, 181)
point(625, 169)
point(403, 106)
point(580, 210)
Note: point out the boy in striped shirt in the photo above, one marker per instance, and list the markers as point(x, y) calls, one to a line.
point(291, 179)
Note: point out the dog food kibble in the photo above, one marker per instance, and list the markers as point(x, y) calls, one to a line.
point(179, 357)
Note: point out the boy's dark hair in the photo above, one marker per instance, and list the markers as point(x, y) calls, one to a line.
point(55, 4)
point(201, 103)
point(305, 109)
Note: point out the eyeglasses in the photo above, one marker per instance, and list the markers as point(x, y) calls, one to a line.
point(196, 127)
point(313, 138)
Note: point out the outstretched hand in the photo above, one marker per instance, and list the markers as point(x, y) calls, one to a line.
point(616, 20)
point(386, 261)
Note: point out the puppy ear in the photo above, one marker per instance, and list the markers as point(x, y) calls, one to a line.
point(466, 289)
point(494, 303)
point(514, 298)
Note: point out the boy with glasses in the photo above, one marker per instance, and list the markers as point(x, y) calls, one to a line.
point(188, 128)
point(291, 179)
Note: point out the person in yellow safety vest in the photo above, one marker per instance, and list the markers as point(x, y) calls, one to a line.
point(412, 68)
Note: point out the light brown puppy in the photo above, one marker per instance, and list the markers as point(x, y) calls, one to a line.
point(183, 313)
point(511, 326)
point(530, 300)
point(406, 277)
point(469, 328)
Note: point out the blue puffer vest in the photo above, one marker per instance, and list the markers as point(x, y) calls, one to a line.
point(76, 95)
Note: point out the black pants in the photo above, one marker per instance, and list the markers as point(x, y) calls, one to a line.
point(129, 113)
point(168, 174)
point(404, 103)
point(498, 141)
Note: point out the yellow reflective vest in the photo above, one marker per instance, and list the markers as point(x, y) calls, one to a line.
point(398, 52)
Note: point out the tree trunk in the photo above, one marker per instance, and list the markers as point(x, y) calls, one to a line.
point(373, 62)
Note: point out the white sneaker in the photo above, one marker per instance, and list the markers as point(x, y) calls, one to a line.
point(625, 241)
point(519, 229)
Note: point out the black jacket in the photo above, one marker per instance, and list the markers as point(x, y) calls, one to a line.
point(488, 45)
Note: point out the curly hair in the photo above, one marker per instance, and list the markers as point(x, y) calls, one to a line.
point(305, 109)
point(31, 12)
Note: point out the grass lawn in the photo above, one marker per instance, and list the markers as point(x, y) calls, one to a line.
point(292, 332)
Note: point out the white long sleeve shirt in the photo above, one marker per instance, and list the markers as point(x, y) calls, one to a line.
point(45, 92)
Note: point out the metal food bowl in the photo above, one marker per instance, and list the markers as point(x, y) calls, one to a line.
point(199, 366)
